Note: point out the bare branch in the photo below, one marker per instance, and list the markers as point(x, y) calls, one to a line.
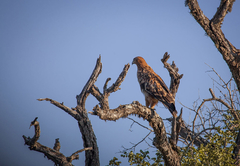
point(103, 98)
point(155, 121)
point(173, 72)
point(68, 110)
point(135, 145)
point(75, 155)
point(231, 108)
point(105, 86)
point(52, 154)
point(198, 135)
point(213, 29)
point(57, 145)
point(217, 74)
point(96, 93)
point(174, 131)
point(224, 7)
point(197, 13)
point(179, 124)
point(213, 95)
point(80, 114)
point(119, 81)
point(36, 136)
point(140, 124)
point(81, 98)
point(187, 134)
point(79, 151)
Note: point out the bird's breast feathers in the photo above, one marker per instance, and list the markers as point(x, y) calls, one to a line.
point(152, 84)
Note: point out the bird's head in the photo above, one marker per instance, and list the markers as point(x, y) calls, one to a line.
point(139, 61)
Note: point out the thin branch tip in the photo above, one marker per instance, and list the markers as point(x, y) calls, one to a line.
point(211, 91)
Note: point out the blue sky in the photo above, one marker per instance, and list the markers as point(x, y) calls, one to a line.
point(49, 49)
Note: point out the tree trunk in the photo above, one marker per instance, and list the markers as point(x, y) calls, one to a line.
point(212, 27)
point(230, 54)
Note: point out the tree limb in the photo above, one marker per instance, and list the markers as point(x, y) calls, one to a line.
point(230, 54)
point(84, 124)
point(81, 98)
point(76, 155)
point(224, 7)
point(135, 108)
point(57, 145)
point(135, 145)
point(155, 121)
point(103, 98)
point(174, 84)
point(80, 114)
point(52, 154)
point(68, 110)
point(173, 72)
point(187, 134)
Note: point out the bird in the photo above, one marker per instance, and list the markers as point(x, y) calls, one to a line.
point(153, 87)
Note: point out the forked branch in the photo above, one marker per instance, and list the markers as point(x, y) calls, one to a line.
point(81, 98)
point(173, 72)
point(155, 121)
point(168, 149)
point(52, 154)
point(80, 114)
point(212, 27)
point(174, 84)
point(103, 97)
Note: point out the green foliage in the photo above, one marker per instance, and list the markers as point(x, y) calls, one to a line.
point(114, 162)
point(217, 152)
point(139, 159)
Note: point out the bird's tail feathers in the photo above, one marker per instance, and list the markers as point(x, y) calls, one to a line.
point(171, 107)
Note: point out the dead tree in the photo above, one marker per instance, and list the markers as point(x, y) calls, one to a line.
point(230, 54)
point(80, 114)
point(167, 146)
point(52, 154)
point(212, 27)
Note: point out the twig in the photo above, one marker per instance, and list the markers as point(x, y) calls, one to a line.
point(75, 155)
point(52, 154)
point(68, 110)
point(135, 145)
point(140, 124)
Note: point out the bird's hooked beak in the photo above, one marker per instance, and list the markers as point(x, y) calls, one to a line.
point(134, 61)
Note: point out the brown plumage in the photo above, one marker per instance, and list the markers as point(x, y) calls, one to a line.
point(153, 87)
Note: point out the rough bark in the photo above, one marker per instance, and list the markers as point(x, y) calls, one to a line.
point(52, 154)
point(80, 114)
point(212, 27)
point(188, 134)
point(88, 136)
point(173, 72)
point(180, 127)
point(171, 156)
point(167, 146)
